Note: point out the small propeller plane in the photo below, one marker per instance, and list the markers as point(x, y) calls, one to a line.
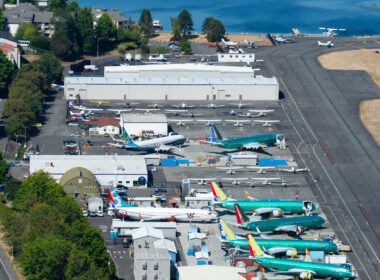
point(266, 123)
point(261, 113)
point(183, 106)
point(212, 106)
point(234, 181)
point(181, 122)
point(119, 111)
point(294, 170)
point(230, 169)
point(328, 44)
point(238, 122)
point(147, 110)
point(155, 105)
point(240, 105)
point(175, 112)
point(265, 181)
point(201, 181)
point(262, 169)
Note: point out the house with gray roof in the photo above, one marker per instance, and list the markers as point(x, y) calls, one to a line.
point(117, 17)
point(28, 13)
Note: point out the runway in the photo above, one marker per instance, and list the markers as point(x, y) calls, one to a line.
point(323, 106)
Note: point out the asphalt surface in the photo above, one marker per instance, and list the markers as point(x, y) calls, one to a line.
point(324, 109)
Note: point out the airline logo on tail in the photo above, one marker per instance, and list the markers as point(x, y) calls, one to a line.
point(116, 200)
point(216, 136)
point(128, 139)
point(241, 217)
point(225, 231)
point(217, 192)
point(254, 249)
point(249, 196)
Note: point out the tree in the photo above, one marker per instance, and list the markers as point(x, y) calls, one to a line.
point(72, 6)
point(6, 74)
point(10, 188)
point(4, 168)
point(2, 21)
point(186, 23)
point(105, 28)
point(185, 46)
point(51, 66)
point(40, 42)
point(145, 23)
point(176, 28)
point(84, 22)
point(26, 31)
point(216, 31)
point(208, 21)
point(62, 46)
point(54, 5)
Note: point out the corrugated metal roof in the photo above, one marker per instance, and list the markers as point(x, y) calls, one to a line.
point(169, 81)
point(165, 244)
point(78, 172)
point(177, 67)
point(143, 118)
point(210, 272)
point(151, 253)
point(147, 231)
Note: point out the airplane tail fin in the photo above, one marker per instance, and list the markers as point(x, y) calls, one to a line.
point(155, 203)
point(249, 196)
point(307, 255)
point(70, 104)
point(225, 231)
point(254, 249)
point(217, 192)
point(116, 200)
point(71, 113)
point(241, 217)
point(128, 140)
point(216, 136)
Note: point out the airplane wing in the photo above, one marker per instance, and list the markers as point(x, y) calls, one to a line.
point(119, 110)
point(267, 121)
point(229, 167)
point(175, 111)
point(262, 211)
point(92, 109)
point(164, 148)
point(278, 250)
point(261, 167)
point(211, 142)
point(147, 110)
point(209, 121)
point(289, 228)
point(234, 179)
point(254, 146)
point(238, 121)
point(266, 179)
point(219, 106)
point(118, 145)
point(202, 179)
point(261, 111)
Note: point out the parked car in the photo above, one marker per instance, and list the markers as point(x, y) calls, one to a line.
point(106, 135)
point(212, 46)
point(87, 70)
point(160, 190)
point(85, 213)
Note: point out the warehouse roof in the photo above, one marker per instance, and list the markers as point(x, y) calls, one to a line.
point(210, 272)
point(151, 253)
point(97, 164)
point(177, 67)
point(147, 231)
point(143, 118)
point(170, 81)
point(165, 244)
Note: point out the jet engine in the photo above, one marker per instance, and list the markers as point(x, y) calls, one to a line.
point(277, 213)
point(291, 253)
point(306, 275)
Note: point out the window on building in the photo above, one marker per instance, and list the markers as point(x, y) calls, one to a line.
point(155, 276)
point(144, 277)
point(71, 89)
point(236, 56)
point(145, 266)
point(127, 182)
point(70, 95)
point(135, 183)
point(80, 181)
point(250, 56)
point(187, 204)
point(120, 182)
point(222, 56)
point(230, 56)
point(156, 266)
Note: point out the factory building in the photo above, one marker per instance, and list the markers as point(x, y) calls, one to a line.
point(173, 82)
point(144, 124)
point(129, 171)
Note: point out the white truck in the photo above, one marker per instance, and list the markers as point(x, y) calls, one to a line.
point(157, 58)
point(91, 67)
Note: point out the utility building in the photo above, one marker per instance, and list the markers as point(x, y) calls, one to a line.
point(80, 183)
point(144, 124)
point(129, 171)
point(236, 57)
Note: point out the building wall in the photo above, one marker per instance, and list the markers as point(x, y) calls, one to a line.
point(110, 129)
point(12, 27)
point(238, 57)
point(127, 180)
point(138, 128)
point(13, 53)
point(162, 272)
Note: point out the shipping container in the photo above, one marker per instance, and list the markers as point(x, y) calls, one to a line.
point(271, 162)
point(168, 162)
point(183, 162)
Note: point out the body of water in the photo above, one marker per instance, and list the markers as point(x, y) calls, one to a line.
point(260, 16)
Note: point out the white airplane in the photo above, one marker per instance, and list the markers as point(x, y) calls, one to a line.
point(238, 122)
point(240, 50)
point(119, 111)
point(328, 44)
point(183, 106)
point(208, 122)
point(261, 113)
point(261, 169)
point(158, 213)
point(234, 181)
point(181, 122)
point(232, 113)
point(230, 169)
point(202, 181)
point(294, 170)
point(77, 107)
point(191, 115)
point(155, 105)
point(229, 43)
point(175, 112)
point(212, 106)
point(330, 31)
point(264, 181)
point(240, 105)
point(247, 115)
point(282, 40)
point(146, 110)
point(251, 44)
point(267, 123)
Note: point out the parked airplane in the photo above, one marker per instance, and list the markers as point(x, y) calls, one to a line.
point(288, 247)
point(238, 122)
point(153, 213)
point(119, 111)
point(183, 106)
point(230, 169)
point(261, 113)
point(301, 269)
point(328, 44)
point(251, 44)
point(240, 105)
point(267, 123)
point(209, 122)
point(273, 206)
point(234, 181)
point(294, 170)
point(175, 112)
point(265, 181)
point(253, 142)
point(248, 115)
point(201, 181)
point(155, 105)
point(232, 113)
point(99, 102)
point(151, 145)
point(229, 43)
point(212, 106)
point(261, 169)
point(181, 122)
point(191, 115)
point(76, 107)
point(282, 40)
point(293, 224)
point(330, 31)
point(147, 110)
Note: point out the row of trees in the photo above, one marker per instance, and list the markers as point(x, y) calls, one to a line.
point(181, 30)
point(26, 93)
point(51, 238)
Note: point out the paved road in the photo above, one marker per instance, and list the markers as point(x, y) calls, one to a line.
point(344, 159)
point(6, 270)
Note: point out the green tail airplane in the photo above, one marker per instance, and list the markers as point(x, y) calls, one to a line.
point(275, 246)
point(302, 269)
point(252, 142)
point(293, 224)
point(274, 207)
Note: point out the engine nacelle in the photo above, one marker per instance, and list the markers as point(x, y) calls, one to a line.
point(291, 253)
point(306, 275)
point(278, 213)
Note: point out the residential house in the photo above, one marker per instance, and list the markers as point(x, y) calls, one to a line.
point(103, 125)
point(117, 17)
point(8, 45)
point(28, 13)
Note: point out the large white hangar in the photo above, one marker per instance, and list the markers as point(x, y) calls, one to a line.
point(144, 124)
point(171, 88)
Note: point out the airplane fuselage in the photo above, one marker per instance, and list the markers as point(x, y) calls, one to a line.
point(273, 224)
point(321, 269)
point(237, 143)
point(293, 206)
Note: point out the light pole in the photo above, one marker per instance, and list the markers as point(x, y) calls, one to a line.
point(97, 47)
